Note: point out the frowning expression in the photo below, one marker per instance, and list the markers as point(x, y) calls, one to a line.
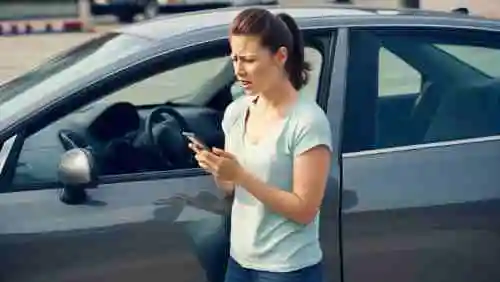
point(255, 66)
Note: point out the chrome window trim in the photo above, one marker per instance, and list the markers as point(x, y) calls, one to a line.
point(336, 23)
point(422, 146)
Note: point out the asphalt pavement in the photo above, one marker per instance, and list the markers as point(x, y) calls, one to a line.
point(19, 54)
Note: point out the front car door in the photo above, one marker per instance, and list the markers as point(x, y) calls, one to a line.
point(421, 155)
point(145, 224)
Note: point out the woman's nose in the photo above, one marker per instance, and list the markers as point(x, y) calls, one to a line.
point(239, 69)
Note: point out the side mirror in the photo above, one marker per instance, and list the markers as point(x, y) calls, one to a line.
point(77, 172)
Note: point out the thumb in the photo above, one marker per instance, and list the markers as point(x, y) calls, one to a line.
point(222, 153)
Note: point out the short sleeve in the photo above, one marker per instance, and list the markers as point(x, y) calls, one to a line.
point(313, 129)
point(232, 113)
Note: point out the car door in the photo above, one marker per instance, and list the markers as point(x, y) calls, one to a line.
point(145, 226)
point(151, 226)
point(422, 169)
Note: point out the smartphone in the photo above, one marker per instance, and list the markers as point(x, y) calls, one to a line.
point(197, 141)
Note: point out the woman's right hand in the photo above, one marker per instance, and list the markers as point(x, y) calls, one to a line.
point(226, 186)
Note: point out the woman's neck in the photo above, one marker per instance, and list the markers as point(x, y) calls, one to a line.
point(279, 97)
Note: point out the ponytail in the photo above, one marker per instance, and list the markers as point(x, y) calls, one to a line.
point(298, 69)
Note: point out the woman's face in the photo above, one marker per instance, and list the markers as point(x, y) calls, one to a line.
point(255, 66)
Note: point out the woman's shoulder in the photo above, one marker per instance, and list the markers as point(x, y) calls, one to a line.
point(308, 113)
point(237, 105)
point(309, 127)
point(233, 111)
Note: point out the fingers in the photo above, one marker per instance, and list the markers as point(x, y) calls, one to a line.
point(196, 142)
point(195, 147)
point(207, 159)
point(222, 153)
point(210, 160)
point(217, 151)
point(205, 167)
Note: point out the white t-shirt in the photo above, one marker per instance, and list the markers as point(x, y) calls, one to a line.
point(260, 238)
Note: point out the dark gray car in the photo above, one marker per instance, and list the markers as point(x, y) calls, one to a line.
point(98, 185)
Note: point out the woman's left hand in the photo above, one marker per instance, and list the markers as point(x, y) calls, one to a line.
point(220, 163)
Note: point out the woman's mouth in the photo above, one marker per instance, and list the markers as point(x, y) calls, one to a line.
point(245, 84)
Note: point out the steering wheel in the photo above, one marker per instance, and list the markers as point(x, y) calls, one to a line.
point(177, 152)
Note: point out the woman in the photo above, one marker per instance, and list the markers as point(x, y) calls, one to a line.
point(277, 155)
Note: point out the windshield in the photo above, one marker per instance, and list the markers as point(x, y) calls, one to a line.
point(29, 89)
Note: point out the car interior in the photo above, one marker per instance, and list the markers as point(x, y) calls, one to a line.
point(456, 101)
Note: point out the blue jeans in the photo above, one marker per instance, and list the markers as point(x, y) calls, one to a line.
point(236, 273)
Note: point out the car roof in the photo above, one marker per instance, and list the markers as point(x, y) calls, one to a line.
point(172, 25)
point(168, 26)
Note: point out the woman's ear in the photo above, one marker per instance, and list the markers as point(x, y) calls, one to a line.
point(281, 55)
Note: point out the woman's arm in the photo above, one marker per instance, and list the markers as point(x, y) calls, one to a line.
point(310, 174)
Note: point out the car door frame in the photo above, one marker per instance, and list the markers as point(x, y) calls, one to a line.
point(335, 105)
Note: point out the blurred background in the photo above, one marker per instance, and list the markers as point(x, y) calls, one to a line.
point(33, 30)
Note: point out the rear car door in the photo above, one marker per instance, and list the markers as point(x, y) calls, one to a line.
point(139, 223)
point(420, 155)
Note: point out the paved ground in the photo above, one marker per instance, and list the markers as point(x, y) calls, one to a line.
point(21, 53)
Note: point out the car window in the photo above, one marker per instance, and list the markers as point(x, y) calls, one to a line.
point(396, 77)
point(193, 83)
point(180, 85)
point(310, 90)
point(482, 58)
point(414, 93)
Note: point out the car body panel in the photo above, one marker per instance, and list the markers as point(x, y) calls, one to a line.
point(127, 232)
point(423, 212)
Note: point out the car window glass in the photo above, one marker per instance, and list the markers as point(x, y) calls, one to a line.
point(194, 83)
point(396, 77)
point(484, 59)
point(418, 94)
point(180, 85)
point(310, 90)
